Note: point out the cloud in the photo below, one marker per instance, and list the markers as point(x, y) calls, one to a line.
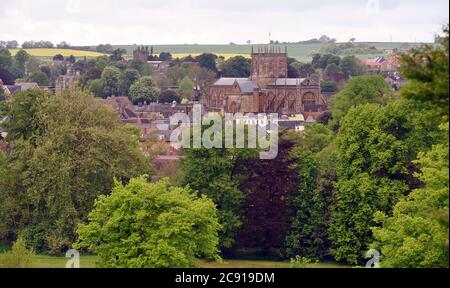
point(87, 22)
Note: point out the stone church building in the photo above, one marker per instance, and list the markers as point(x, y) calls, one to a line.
point(268, 90)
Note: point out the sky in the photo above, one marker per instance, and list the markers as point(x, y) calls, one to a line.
point(121, 22)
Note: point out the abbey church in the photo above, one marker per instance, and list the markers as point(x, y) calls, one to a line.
point(268, 90)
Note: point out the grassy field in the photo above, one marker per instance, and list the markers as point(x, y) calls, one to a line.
point(41, 261)
point(47, 52)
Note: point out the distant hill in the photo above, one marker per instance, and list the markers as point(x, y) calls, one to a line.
point(302, 52)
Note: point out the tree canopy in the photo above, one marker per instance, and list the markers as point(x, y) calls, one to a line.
point(143, 225)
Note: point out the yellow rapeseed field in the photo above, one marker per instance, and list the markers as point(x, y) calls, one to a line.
point(225, 55)
point(50, 52)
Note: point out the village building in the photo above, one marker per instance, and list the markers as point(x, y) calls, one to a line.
point(267, 90)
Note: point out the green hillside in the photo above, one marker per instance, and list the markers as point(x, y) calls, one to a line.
point(302, 52)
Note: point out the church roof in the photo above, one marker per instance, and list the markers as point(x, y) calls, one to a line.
point(246, 85)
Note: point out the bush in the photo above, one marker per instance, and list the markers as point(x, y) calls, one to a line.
point(301, 262)
point(19, 257)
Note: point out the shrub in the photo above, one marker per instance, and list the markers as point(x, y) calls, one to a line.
point(19, 257)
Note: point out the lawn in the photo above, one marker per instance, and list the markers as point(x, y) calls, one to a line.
point(50, 52)
point(41, 261)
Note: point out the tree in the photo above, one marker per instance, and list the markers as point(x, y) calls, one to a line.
point(427, 72)
point(332, 69)
point(186, 88)
point(5, 58)
point(266, 217)
point(96, 87)
point(67, 151)
point(314, 164)
point(63, 45)
point(352, 66)
point(71, 59)
point(237, 66)
point(117, 54)
point(111, 77)
point(143, 225)
point(360, 90)
point(214, 173)
point(40, 78)
point(143, 68)
point(19, 257)
point(375, 149)
point(13, 44)
point(129, 76)
point(58, 57)
point(169, 96)
point(21, 59)
point(207, 60)
point(144, 90)
point(47, 71)
point(305, 70)
point(416, 235)
point(165, 56)
point(328, 86)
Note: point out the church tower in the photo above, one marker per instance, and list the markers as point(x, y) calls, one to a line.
point(268, 64)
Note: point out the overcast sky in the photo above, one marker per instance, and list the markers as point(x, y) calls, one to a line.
point(90, 22)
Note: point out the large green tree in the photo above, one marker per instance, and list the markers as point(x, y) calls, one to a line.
point(143, 225)
point(427, 70)
point(314, 154)
point(111, 78)
point(66, 150)
point(237, 66)
point(416, 235)
point(375, 149)
point(358, 91)
point(214, 173)
point(144, 90)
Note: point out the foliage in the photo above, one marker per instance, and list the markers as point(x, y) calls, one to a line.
point(19, 257)
point(359, 90)
point(375, 149)
point(40, 78)
point(111, 79)
point(427, 71)
point(301, 262)
point(21, 58)
point(352, 66)
point(214, 173)
point(328, 86)
point(332, 69)
point(208, 61)
point(237, 66)
point(267, 186)
point(144, 90)
point(129, 76)
point(416, 235)
point(144, 225)
point(186, 88)
point(96, 87)
point(169, 96)
point(314, 156)
point(66, 151)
